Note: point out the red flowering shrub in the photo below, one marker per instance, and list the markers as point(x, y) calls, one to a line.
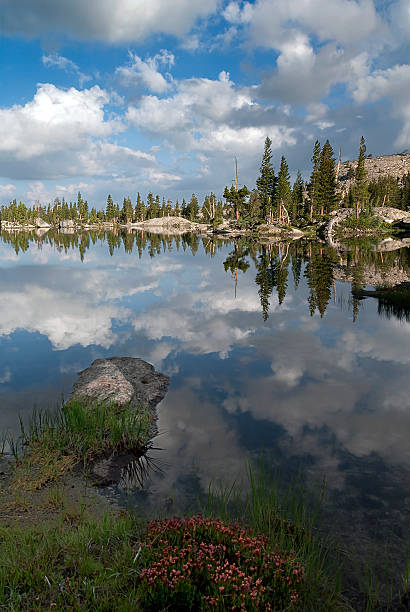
point(205, 564)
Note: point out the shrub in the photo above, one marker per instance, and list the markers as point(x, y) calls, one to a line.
point(201, 564)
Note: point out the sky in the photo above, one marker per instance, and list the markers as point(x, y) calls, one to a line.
point(121, 96)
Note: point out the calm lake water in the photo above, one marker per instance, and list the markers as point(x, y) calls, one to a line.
point(266, 349)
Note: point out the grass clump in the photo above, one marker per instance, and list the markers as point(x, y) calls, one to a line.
point(88, 565)
point(288, 515)
point(77, 433)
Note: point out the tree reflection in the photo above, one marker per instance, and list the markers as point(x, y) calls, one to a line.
point(314, 266)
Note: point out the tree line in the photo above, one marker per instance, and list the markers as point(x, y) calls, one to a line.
point(273, 199)
point(79, 211)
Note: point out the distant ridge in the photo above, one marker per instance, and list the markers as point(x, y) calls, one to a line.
point(396, 165)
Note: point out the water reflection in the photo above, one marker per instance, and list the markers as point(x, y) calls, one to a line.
point(386, 263)
point(260, 344)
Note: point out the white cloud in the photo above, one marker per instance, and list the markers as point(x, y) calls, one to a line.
point(6, 191)
point(146, 74)
point(59, 61)
point(63, 133)
point(345, 21)
point(392, 84)
point(54, 119)
point(112, 21)
point(202, 116)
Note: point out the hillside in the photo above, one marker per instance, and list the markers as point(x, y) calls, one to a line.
point(396, 165)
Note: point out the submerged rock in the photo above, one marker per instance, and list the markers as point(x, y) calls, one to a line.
point(121, 381)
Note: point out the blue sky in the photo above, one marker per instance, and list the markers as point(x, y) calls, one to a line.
point(120, 96)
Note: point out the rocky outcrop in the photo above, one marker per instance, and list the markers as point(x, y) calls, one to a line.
point(393, 216)
point(276, 231)
point(385, 165)
point(41, 224)
point(67, 226)
point(169, 225)
point(121, 381)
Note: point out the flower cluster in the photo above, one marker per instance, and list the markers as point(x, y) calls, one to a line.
point(199, 563)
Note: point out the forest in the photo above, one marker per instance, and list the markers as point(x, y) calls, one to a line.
point(273, 199)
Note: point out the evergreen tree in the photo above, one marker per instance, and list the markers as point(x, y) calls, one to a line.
point(192, 208)
point(157, 206)
point(110, 209)
point(93, 215)
point(297, 196)
point(126, 211)
point(139, 209)
point(150, 212)
point(255, 204)
point(219, 215)
point(236, 198)
point(266, 182)
point(283, 191)
point(184, 208)
point(177, 210)
point(327, 198)
point(360, 189)
point(313, 187)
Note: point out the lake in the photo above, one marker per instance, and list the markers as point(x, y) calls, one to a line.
point(268, 353)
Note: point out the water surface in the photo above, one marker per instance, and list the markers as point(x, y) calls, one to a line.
point(266, 349)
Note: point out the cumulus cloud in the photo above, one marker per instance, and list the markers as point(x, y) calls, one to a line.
point(115, 21)
point(270, 23)
point(7, 190)
point(63, 133)
point(54, 119)
point(210, 119)
point(145, 74)
point(392, 84)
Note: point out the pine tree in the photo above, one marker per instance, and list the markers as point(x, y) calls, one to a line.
point(139, 209)
point(283, 191)
point(236, 198)
point(313, 187)
point(127, 211)
point(266, 182)
point(150, 206)
point(297, 196)
point(361, 194)
point(327, 198)
point(177, 210)
point(109, 210)
point(193, 208)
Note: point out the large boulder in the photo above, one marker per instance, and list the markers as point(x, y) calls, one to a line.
point(121, 381)
point(41, 224)
point(66, 225)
